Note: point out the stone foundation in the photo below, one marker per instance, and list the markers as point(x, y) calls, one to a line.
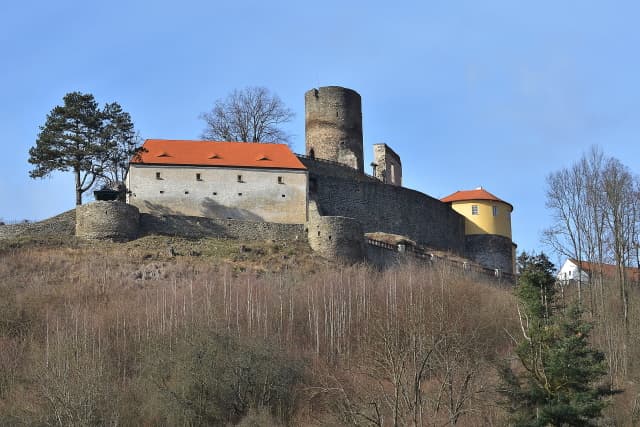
point(491, 251)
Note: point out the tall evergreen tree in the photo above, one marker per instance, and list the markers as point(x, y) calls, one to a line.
point(79, 137)
point(121, 142)
point(557, 380)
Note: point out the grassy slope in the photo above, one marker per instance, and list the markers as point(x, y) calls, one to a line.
point(119, 330)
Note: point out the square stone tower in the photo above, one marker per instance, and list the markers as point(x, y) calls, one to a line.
point(387, 165)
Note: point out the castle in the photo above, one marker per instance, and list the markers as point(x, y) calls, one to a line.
point(324, 192)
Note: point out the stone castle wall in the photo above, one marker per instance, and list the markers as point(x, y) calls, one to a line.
point(382, 207)
point(333, 125)
point(107, 221)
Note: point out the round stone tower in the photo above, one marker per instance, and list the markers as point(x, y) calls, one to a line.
point(333, 125)
point(103, 220)
point(337, 238)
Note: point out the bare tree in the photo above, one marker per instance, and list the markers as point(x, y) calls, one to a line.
point(620, 208)
point(252, 114)
point(596, 211)
point(566, 198)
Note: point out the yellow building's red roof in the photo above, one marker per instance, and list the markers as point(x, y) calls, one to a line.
point(468, 195)
point(211, 153)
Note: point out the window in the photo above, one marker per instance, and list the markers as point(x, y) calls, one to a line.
point(280, 180)
point(474, 209)
point(239, 194)
point(215, 194)
point(161, 191)
point(239, 178)
point(198, 177)
point(284, 195)
point(158, 175)
point(495, 210)
point(186, 192)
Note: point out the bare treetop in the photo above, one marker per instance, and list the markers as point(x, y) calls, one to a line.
point(252, 114)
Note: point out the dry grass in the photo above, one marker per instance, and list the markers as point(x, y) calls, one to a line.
point(175, 331)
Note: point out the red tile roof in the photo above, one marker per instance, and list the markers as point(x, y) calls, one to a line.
point(468, 195)
point(210, 153)
point(607, 270)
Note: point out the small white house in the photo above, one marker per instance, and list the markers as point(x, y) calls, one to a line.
point(229, 180)
point(571, 272)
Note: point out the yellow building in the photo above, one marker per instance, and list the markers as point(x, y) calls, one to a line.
point(487, 226)
point(484, 213)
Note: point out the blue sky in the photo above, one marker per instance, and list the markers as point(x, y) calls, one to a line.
point(469, 93)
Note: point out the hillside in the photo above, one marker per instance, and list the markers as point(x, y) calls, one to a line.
point(172, 331)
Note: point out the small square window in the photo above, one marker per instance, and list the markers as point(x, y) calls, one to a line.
point(495, 210)
point(158, 175)
point(239, 194)
point(284, 195)
point(198, 177)
point(239, 178)
point(474, 209)
point(186, 192)
point(161, 191)
point(215, 194)
point(280, 180)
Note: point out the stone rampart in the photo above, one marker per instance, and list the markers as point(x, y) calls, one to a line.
point(387, 208)
point(63, 224)
point(337, 238)
point(102, 220)
point(195, 227)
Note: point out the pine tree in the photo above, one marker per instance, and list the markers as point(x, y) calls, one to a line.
point(556, 382)
point(79, 137)
point(121, 142)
